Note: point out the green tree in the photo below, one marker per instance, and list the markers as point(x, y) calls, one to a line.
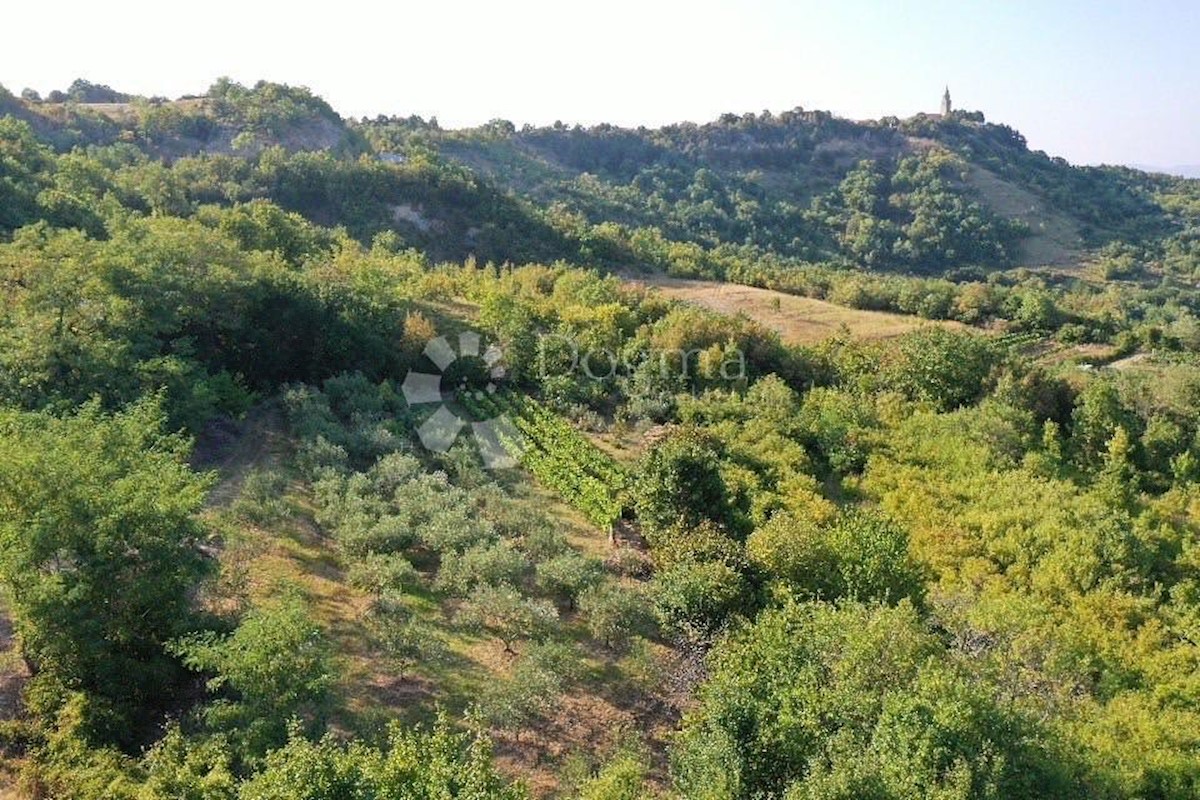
point(695, 599)
point(567, 575)
point(99, 549)
point(506, 614)
point(1118, 480)
point(947, 368)
point(413, 765)
point(23, 164)
point(858, 701)
point(1099, 412)
point(624, 776)
point(680, 486)
point(275, 667)
point(860, 556)
point(540, 676)
point(404, 641)
point(383, 574)
point(614, 612)
point(488, 563)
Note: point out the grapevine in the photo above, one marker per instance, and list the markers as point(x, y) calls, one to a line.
point(557, 454)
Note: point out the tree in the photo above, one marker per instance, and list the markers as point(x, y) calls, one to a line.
point(405, 642)
point(540, 676)
point(795, 550)
point(857, 701)
point(695, 599)
point(679, 485)
point(413, 765)
point(943, 737)
point(274, 667)
point(98, 549)
point(622, 777)
point(568, 575)
point(503, 612)
point(947, 368)
point(615, 612)
point(1118, 479)
point(382, 574)
point(1099, 412)
point(860, 555)
point(490, 563)
point(23, 164)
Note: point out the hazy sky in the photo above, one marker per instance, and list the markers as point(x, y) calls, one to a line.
point(1094, 81)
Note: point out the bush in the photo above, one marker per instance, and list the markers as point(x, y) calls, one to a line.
point(100, 560)
point(504, 613)
point(383, 573)
point(615, 612)
point(695, 600)
point(262, 498)
point(437, 765)
point(404, 641)
point(540, 676)
point(491, 563)
point(566, 576)
point(272, 668)
point(859, 556)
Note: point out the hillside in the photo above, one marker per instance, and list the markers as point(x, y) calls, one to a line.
point(791, 184)
point(927, 195)
point(783, 456)
point(944, 218)
point(228, 118)
point(797, 320)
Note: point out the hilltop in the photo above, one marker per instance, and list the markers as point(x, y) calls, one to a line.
point(929, 194)
point(932, 194)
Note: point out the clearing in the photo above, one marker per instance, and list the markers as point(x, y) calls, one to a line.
point(798, 320)
point(617, 695)
point(1054, 239)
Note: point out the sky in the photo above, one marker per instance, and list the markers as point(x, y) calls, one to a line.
point(1104, 81)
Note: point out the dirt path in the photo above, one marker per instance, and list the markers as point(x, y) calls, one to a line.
point(1129, 361)
point(798, 320)
point(234, 447)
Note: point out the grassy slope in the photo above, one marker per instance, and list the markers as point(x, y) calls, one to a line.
point(798, 320)
point(1054, 238)
point(593, 717)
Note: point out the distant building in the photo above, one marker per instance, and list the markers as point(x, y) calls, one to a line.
point(946, 107)
point(393, 158)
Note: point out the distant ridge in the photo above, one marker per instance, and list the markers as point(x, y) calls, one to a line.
point(934, 194)
point(1185, 171)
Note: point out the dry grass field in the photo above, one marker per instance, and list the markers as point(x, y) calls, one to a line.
point(798, 320)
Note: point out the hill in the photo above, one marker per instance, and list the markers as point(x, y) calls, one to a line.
point(932, 216)
point(931, 195)
point(728, 461)
point(891, 194)
point(228, 118)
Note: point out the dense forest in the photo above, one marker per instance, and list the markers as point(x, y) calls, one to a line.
point(664, 550)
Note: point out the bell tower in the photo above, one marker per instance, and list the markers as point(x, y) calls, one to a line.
point(946, 107)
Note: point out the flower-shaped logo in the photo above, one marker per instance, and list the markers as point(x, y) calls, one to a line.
point(441, 429)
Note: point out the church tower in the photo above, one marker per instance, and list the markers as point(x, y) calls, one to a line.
point(946, 107)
